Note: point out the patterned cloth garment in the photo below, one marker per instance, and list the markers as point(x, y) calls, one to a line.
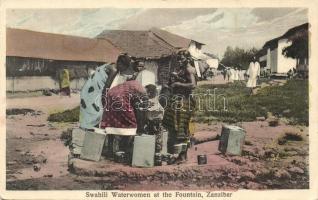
point(91, 97)
point(177, 121)
point(119, 115)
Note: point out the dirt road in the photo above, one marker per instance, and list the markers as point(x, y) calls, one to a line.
point(36, 158)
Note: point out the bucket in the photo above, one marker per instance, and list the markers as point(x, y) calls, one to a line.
point(93, 145)
point(179, 148)
point(202, 160)
point(144, 151)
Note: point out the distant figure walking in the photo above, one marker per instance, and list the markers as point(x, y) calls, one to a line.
point(253, 74)
point(242, 75)
point(224, 72)
point(232, 75)
point(236, 74)
point(228, 74)
point(65, 89)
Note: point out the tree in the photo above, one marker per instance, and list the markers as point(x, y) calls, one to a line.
point(299, 47)
point(239, 58)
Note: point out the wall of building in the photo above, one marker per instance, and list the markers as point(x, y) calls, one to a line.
point(263, 61)
point(164, 70)
point(268, 59)
point(273, 60)
point(20, 66)
point(78, 83)
point(284, 64)
point(30, 74)
point(33, 83)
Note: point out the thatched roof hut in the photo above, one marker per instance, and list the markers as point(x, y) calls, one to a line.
point(37, 53)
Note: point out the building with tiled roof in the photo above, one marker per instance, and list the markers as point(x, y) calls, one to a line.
point(155, 46)
point(34, 59)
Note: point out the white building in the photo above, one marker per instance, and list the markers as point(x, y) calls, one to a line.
point(274, 58)
point(271, 55)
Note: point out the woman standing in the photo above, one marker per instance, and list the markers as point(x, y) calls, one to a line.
point(179, 111)
point(65, 83)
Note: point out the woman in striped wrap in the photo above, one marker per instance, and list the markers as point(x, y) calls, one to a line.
point(180, 108)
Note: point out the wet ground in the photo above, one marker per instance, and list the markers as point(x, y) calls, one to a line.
point(36, 158)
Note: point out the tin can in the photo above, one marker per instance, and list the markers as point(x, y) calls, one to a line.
point(202, 159)
point(120, 157)
point(158, 159)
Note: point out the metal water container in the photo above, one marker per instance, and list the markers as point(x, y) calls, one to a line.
point(158, 159)
point(232, 140)
point(144, 151)
point(202, 159)
point(78, 136)
point(93, 145)
point(179, 148)
point(164, 149)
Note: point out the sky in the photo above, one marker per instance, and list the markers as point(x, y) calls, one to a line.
point(215, 27)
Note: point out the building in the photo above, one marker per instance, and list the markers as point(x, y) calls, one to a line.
point(34, 59)
point(177, 41)
point(272, 57)
point(157, 47)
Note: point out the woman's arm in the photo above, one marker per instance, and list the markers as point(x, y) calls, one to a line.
point(112, 72)
point(190, 76)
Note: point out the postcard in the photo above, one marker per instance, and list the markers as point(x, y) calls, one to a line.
point(159, 99)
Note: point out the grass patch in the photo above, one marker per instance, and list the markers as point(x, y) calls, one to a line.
point(293, 136)
point(23, 94)
point(290, 136)
point(289, 101)
point(19, 111)
point(66, 136)
point(65, 116)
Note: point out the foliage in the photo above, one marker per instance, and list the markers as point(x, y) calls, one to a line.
point(298, 49)
point(238, 57)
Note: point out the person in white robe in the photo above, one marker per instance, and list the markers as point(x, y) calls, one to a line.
point(236, 74)
point(232, 75)
point(241, 75)
point(228, 74)
point(253, 73)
